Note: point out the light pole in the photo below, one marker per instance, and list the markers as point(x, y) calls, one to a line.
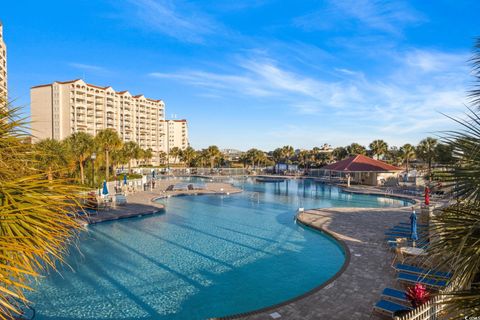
point(93, 157)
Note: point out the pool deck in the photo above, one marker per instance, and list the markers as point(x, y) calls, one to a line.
point(142, 203)
point(352, 293)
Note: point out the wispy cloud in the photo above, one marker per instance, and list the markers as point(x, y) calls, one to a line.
point(390, 17)
point(87, 67)
point(407, 98)
point(177, 19)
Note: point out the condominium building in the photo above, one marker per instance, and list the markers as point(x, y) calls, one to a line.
point(3, 66)
point(62, 108)
point(176, 134)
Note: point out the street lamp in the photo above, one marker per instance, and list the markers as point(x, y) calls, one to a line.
point(93, 157)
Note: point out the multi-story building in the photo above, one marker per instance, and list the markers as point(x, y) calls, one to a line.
point(62, 108)
point(3, 66)
point(176, 134)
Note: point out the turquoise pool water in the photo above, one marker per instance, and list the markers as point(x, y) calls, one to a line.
point(206, 256)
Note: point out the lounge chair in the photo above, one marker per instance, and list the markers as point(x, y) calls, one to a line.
point(421, 271)
point(390, 308)
point(422, 279)
point(397, 296)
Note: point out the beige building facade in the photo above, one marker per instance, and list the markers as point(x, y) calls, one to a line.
point(176, 134)
point(3, 66)
point(62, 108)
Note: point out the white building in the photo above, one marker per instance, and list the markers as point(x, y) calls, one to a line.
point(62, 108)
point(3, 66)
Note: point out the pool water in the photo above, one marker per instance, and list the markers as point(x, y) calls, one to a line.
point(205, 256)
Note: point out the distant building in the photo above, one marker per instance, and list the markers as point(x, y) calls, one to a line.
point(176, 134)
point(62, 108)
point(232, 154)
point(3, 66)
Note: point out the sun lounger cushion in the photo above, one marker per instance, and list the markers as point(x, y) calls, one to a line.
point(390, 307)
point(414, 278)
point(417, 270)
point(395, 294)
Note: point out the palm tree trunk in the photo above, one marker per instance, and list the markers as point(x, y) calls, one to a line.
point(407, 166)
point(106, 165)
point(82, 176)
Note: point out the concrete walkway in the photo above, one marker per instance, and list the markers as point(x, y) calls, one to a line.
point(353, 294)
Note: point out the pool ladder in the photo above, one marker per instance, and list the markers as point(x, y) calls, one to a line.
point(389, 191)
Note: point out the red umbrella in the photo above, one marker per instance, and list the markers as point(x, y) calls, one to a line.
point(427, 196)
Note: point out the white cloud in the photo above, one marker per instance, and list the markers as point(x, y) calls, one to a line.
point(87, 67)
point(176, 19)
point(390, 17)
point(406, 98)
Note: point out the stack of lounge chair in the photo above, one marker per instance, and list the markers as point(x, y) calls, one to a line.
point(394, 302)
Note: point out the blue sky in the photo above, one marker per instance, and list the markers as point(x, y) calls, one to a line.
point(259, 73)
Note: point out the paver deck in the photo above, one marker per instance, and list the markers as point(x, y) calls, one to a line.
point(353, 294)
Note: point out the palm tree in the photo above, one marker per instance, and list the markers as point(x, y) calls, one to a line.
point(407, 152)
point(303, 159)
point(175, 152)
point(80, 145)
point(244, 158)
point(355, 149)
point(108, 140)
point(51, 156)
point(147, 155)
point(456, 230)
point(130, 151)
point(426, 152)
point(212, 153)
point(340, 153)
point(162, 157)
point(277, 156)
point(378, 147)
point(287, 152)
point(188, 155)
point(38, 220)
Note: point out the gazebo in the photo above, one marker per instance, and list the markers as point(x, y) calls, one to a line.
point(363, 170)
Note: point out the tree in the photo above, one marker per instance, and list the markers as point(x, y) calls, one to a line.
point(340, 153)
point(304, 157)
point(378, 148)
point(188, 155)
point(455, 231)
point(355, 149)
point(426, 152)
point(80, 145)
point(277, 156)
point(444, 153)
point(212, 153)
point(175, 152)
point(38, 219)
point(162, 157)
point(108, 140)
point(130, 150)
point(147, 155)
point(287, 153)
point(51, 156)
point(407, 152)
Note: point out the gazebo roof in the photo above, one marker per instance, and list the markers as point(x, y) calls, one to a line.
point(361, 163)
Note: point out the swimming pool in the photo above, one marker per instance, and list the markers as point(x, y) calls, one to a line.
point(206, 256)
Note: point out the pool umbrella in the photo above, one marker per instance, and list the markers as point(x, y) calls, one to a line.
point(413, 227)
point(104, 188)
point(124, 179)
point(153, 174)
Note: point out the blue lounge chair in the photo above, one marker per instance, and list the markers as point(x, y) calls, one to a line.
point(389, 307)
point(396, 295)
point(421, 271)
point(423, 279)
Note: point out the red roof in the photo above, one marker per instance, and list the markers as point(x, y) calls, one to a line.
point(361, 163)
